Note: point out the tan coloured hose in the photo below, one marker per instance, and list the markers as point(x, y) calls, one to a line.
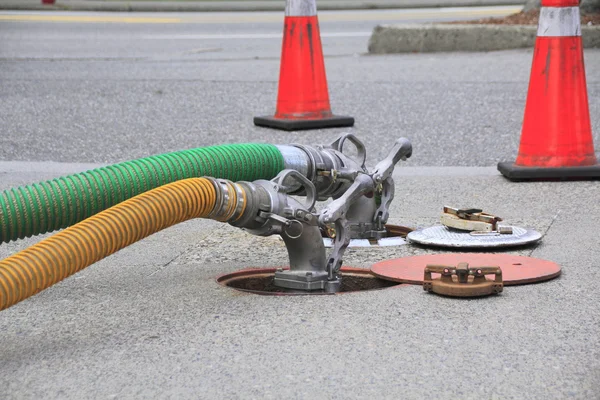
point(42, 265)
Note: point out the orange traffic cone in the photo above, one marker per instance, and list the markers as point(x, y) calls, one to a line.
point(556, 138)
point(303, 97)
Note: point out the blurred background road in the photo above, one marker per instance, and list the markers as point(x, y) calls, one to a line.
point(104, 87)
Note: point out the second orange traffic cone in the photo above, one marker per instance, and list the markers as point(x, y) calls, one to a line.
point(556, 138)
point(303, 96)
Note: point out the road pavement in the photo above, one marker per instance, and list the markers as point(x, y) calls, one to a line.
point(151, 322)
point(235, 5)
point(90, 88)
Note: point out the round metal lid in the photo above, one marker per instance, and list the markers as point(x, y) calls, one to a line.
point(516, 270)
point(441, 236)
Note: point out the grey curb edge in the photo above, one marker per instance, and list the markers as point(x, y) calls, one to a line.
point(390, 39)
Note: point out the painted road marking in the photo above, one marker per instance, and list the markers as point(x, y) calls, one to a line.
point(235, 17)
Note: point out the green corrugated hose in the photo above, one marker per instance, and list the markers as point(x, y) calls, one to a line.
point(47, 206)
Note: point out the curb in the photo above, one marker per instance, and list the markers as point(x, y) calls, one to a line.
point(237, 5)
point(390, 39)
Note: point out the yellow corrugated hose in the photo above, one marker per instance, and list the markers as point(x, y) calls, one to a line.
point(42, 265)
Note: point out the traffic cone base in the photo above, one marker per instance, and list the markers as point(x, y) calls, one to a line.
point(518, 173)
point(334, 121)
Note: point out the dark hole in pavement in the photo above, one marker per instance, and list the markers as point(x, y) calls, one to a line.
point(260, 281)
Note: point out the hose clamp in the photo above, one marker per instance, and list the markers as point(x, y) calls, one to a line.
point(222, 206)
point(241, 202)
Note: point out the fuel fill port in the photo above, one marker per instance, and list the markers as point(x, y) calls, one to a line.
point(260, 281)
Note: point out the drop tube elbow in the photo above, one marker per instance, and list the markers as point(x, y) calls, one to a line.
point(307, 252)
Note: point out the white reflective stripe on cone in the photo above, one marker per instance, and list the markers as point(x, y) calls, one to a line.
point(559, 21)
point(300, 8)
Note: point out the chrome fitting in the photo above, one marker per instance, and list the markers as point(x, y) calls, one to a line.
point(230, 202)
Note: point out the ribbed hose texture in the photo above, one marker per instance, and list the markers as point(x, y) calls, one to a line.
point(59, 256)
point(48, 206)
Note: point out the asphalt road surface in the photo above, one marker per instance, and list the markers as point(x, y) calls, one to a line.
point(79, 89)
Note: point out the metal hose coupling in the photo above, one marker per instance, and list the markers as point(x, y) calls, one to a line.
point(326, 166)
point(230, 202)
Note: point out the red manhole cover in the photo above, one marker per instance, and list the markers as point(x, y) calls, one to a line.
point(516, 270)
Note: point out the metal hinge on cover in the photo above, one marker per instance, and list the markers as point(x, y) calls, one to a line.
point(473, 220)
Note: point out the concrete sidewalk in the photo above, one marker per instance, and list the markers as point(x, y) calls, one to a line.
point(151, 322)
point(240, 5)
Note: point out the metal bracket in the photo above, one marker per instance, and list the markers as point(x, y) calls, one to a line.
point(473, 220)
point(382, 176)
point(401, 151)
point(334, 263)
point(338, 208)
point(382, 214)
point(462, 280)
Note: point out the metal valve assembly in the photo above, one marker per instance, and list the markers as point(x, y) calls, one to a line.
point(360, 207)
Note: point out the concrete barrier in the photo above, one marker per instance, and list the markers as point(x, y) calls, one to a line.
point(388, 39)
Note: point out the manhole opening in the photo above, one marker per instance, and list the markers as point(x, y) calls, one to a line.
point(261, 282)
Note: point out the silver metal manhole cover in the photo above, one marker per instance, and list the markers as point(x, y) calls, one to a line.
point(442, 236)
